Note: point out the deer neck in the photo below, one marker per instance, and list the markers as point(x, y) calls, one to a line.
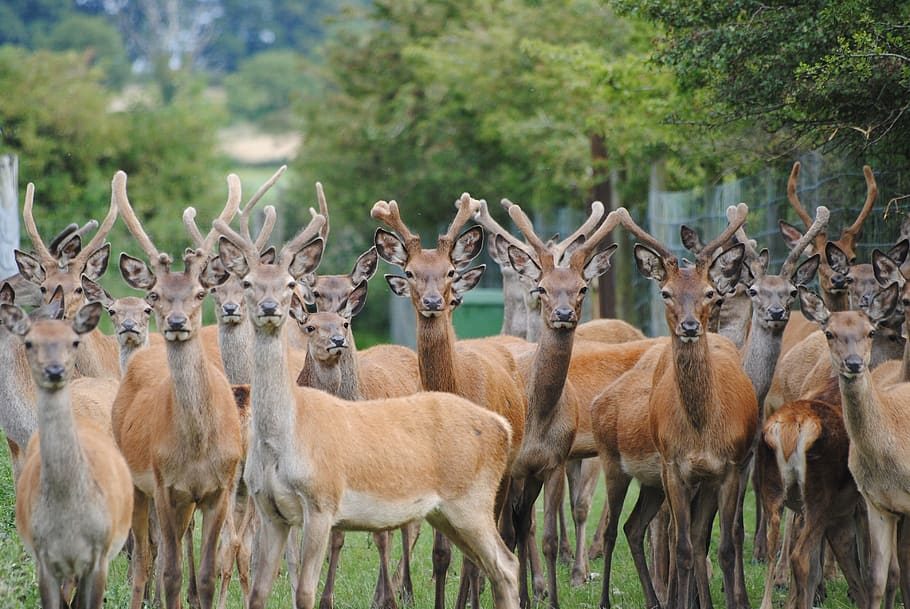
point(128, 351)
point(94, 354)
point(192, 387)
point(734, 318)
point(836, 301)
point(863, 416)
point(549, 369)
point(905, 363)
point(694, 378)
point(341, 378)
point(234, 342)
point(64, 468)
point(436, 353)
point(514, 309)
point(884, 349)
point(760, 356)
point(17, 391)
point(271, 393)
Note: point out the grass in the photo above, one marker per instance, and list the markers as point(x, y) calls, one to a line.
point(358, 569)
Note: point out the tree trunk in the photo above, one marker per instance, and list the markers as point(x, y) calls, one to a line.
point(9, 213)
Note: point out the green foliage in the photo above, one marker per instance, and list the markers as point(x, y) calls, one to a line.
point(266, 86)
point(96, 36)
point(806, 72)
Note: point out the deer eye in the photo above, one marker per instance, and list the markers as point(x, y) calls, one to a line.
point(752, 292)
point(43, 289)
point(316, 294)
point(200, 295)
point(539, 290)
point(75, 343)
point(346, 325)
point(665, 294)
point(213, 291)
point(111, 312)
point(905, 302)
point(793, 293)
point(78, 290)
point(246, 284)
point(152, 296)
point(311, 329)
point(148, 311)
point(409, 274)
point(829, 335)
point(709, 294)
point(292, 285)
point(28, 344)
point(451, 273)
point(583, 290)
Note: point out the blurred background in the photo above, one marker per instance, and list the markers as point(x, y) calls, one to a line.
point(672, 108)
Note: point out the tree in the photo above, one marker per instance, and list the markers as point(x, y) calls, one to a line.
point(93, 34)
point(807, 73)
point(267, 86)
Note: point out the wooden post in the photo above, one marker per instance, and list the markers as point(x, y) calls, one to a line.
point(9, 213)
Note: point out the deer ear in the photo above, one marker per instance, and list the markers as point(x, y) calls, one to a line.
point(498, 247)
point(649, 263)
point(307, 258)
point(806, 271)
point(297, 310)
point(467, 246)
point(365, 267)
point(54, 307)
point(690, 239)
point(523, 264)
point(390, 248)
point(399, 285)
point(726, 268)
point(305, 288)
point(29, 267)
point(97, 262)
point(7, 294)
point(232, 258)
point(70, 248)
point(467, 280)
point(885, 269)
point(898, 253)
point(87, 318)
point(136, 273)
point(790, 233)
point(15, 319)
point(355, 301)
point(883, 303)
point(268, 255)
point(599, 264)
point(812, 306)
point(764, 259)
point(95, 293)
point(837, 258)
point(213, 273)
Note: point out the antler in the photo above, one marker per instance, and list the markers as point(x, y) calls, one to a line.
point(323, 209)
point(310, 232)
point(388, 214)
point(794, 198)
point(871, 193)
point(247, 210)
point(466, 207)
point(643, 236)
point(118, 193)
point(597, 212)
point(822, 215)
point(544, 256)
point(47, 259)
point(99, 236)
point(72, 231)
point(268, 224)
point(482, 216)
point(738, 219)
point(580, 255)
point(204, 244)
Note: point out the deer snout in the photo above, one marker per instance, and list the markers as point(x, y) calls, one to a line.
point(690, 328)
point(776, 312)
point(230, 308)
point(176, 321)
point(338, 341)
point(839, 281)
point(269, 307)
point(853, 364)
point(432, 303)
point(564, 314)
point(128, 325)
point(54, 372)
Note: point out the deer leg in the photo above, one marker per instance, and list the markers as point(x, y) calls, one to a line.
point(882, 531)
point(247, 534)
point(773, 505)
point(328, 590)
point(522, 512)
point(312, 553)
point(553, 499)
point(679, 496)
point(841, 535)
point(804, 561)
point(268, 548)
point(760, 549)
point(48, 586)
point(583, 496)
point(659, 533)
point(648, 504)
point(538, 581)
point(227, 552)
point(442, 556)
point(596, 549)
point(782, 570)
point(384, 597)
point(215, 511)
point(903, 556)
point(173, 520)
point(92, 585)
point(730, 558)
point(573, 477)
point(402, 579)
point(192, 594)
point(292, 558)
point(704, 509)
point(141, 559)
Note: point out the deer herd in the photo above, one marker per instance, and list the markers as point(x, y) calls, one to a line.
point(283, 435)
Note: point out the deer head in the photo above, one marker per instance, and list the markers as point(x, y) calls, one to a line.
point(850, 333)
point(690, 293)
point(332, 292)
point(329, 332)
point(560, 273)
point(435, 279)
point(130, 315)
point(50, 344)
point(175, 296)
point(65, 261)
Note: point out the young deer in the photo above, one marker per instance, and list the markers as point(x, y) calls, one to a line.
point(175, 417)
point(703, 413)
point(874, 416)
point(98, 355)
point(440, 456)
point(74, 497)
point(434, 281)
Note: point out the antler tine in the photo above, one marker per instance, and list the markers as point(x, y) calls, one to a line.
point(268, 223)
point(580, 255)
point(521, 220)
point(118, 193)
point(245, 245)
point(247, 210)
point(822, 215)
point(189, 223)
point(794, 198)
point(99, 236)
point(741, 211)
point(323, 209)
point(388, 214)
point(597, 212)
point(307, 234)
point(482, 216)
point(642, 235)
point(226, 215)
point(871, 194)
point(466, 208)
point(32, 230)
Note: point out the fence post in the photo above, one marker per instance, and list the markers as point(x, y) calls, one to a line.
point(9, 213)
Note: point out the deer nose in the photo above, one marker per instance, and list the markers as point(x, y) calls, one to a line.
point(432, 303)
point(853, 363)
point(128, 324)
point(564, 313)
point(838, 281)
point(268, 307)
point(54, 372)
point(176, 321)
point(338, 341)
point(230, 308)
point(690, 327)
point(776, 313)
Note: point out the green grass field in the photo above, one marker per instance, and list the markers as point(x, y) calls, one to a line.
point(357, 573)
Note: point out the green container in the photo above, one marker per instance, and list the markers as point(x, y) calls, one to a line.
point(480, 314)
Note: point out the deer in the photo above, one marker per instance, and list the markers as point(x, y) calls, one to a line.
point(888, 269)
point(448, 460)
point(801, 463)
point(174, 416)
point(98, 355)
point(703, 412)
point(873, 414)
point(434, 281)
point(74, 496)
